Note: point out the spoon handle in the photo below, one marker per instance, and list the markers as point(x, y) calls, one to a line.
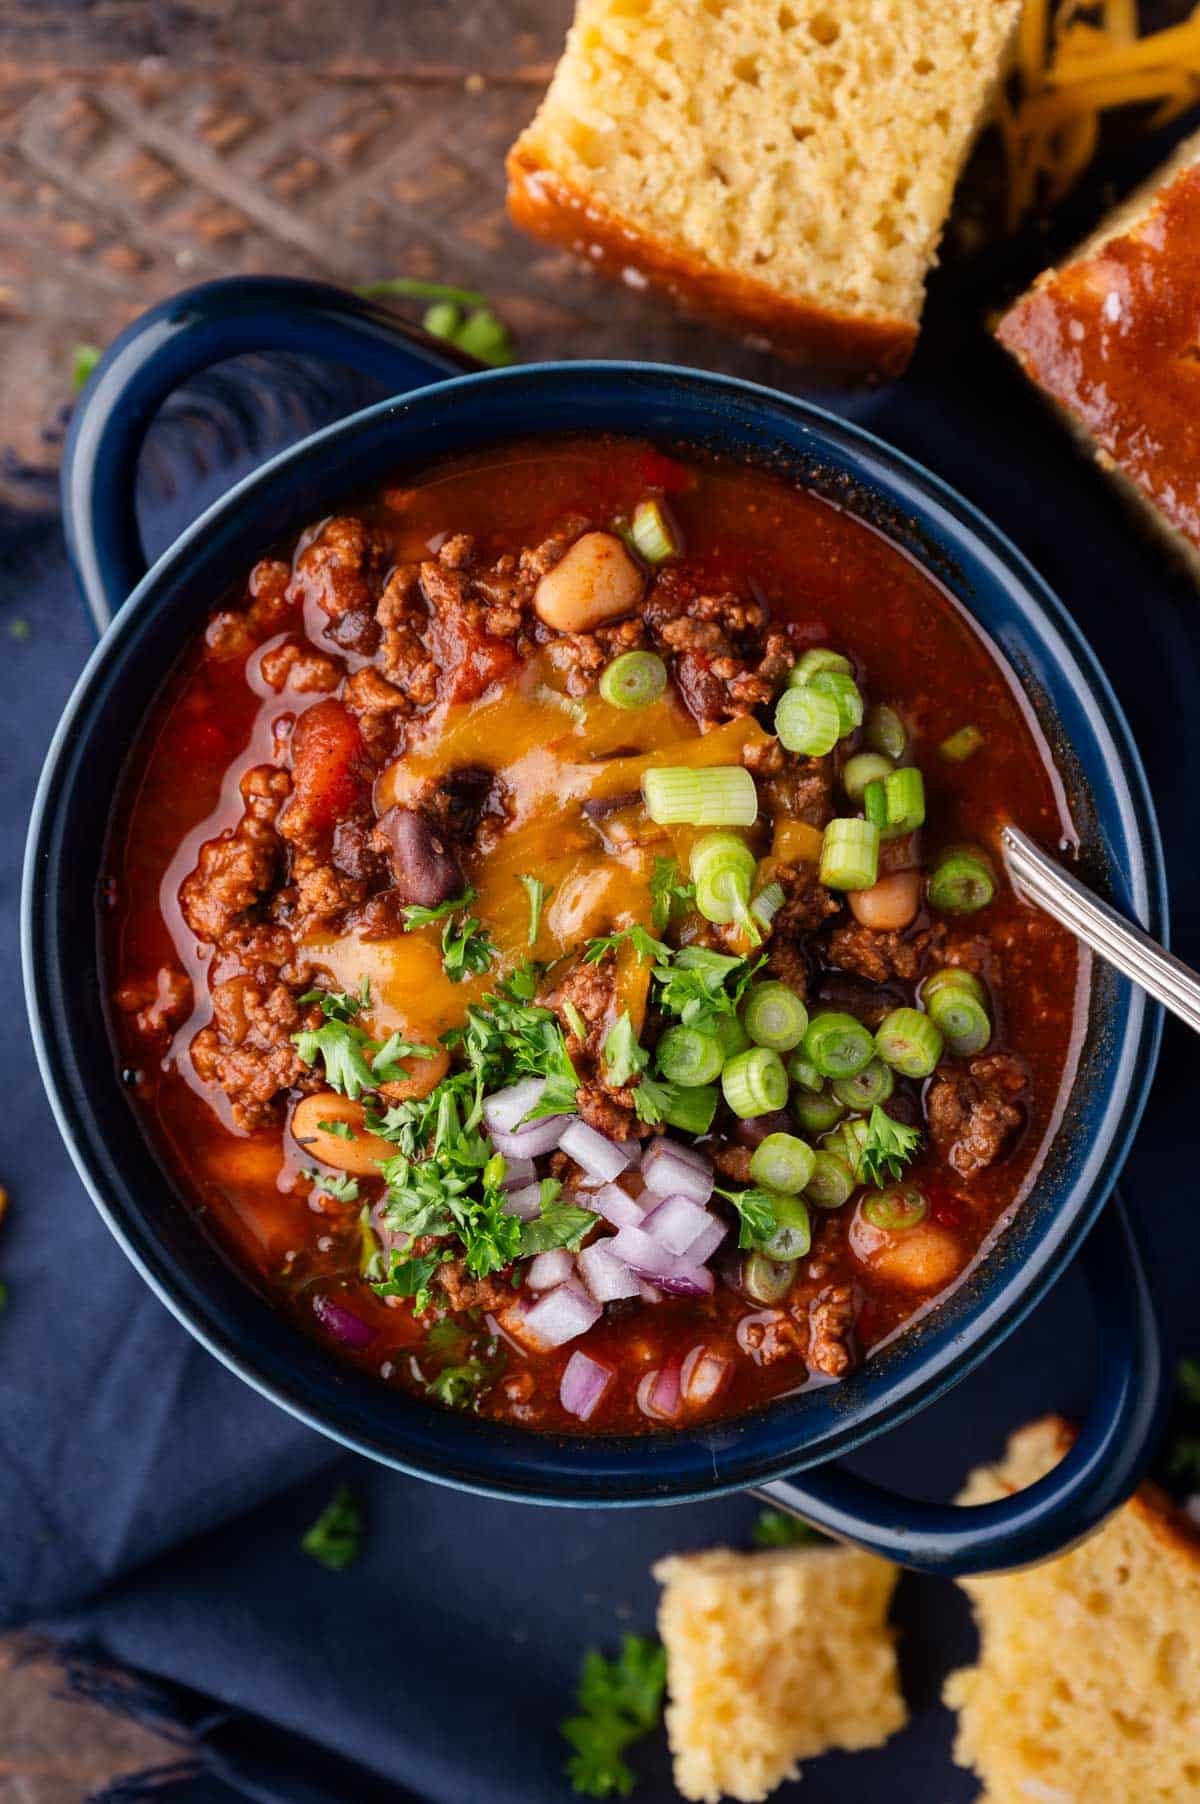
point(1116, 940)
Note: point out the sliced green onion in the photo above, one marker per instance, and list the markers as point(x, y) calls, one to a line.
point(723, 895)
point(808, 722)
point(818, 659)
point(767, 1280)
point(774, 1016)
point(961, 745)
point(443, 319)
point(850, 854)
point(961, 883)
point(961, 1019)
point(844, 691)
point(634, 680)
point(713, 851)
point(755, 1082)
point(874, 1083)
point(767, 904)
point(832, 1181)
point(904, 796)
point(953, 977)
point(874, 804)
point(909, 1042)
point(692, 1111)
point(816, 1114)
point(651, 532)
point(837, 1044)
point(803, 1072)
point(678, 796)
point(864, 768)
point(849, 1142)
point(893, 1210)
point(782, 1162)
point(687, 1056)
point(793, 1230)
point(731, 1034)
point(884, 731)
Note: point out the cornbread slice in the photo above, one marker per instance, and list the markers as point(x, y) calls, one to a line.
point(1112, 338)
point(773, 1657)
point(787, 167)
point(1087, 1689)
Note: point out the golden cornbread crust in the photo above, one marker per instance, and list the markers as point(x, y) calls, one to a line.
point(786, 170)
point(1087, 1688)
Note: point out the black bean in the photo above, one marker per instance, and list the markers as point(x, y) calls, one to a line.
point(425, 868)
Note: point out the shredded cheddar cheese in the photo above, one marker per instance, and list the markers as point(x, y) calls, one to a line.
point(1071, 69)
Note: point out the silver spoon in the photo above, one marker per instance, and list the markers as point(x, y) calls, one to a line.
point(1117, 941)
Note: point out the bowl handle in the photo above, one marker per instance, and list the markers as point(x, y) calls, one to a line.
point(1098, 1473)
point(170, 344)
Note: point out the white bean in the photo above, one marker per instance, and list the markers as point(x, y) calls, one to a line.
point(595, 581)
point(890, 904)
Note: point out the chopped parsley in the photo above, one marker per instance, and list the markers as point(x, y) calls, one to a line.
point(341, 1129)
point(652, 1098)
point(342, 1189)
point(411, 1278)
point(624, 1058)
point(644, 944)
point(371, 1263)
point(417, 916)
point(538, 893)
point(887, 1149)
point(558, 1225)
point(19, 629)
point(699, 985)
point(84, 358)
point(343, 1047)
point(454, 1189)
point(773, 1529)
point(335, 1538)
point(467, 948)
point(508, 1037)
point(757, 1220)
point(1183, 1453)
point(668, 892)
point(619, 1702)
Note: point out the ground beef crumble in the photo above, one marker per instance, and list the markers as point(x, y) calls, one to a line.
point(974, 1113)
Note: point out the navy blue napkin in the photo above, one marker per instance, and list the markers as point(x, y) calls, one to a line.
point(151, 1505)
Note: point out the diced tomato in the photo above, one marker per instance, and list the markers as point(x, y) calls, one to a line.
point(331, 774)
point(658, 472)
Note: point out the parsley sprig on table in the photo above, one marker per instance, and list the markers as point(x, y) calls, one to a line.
point(1183, 1451)
point(888, 1148)
point(619, 1702)
point(335, 1538)
point(773, 1529)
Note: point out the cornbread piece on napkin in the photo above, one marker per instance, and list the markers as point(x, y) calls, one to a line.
point(786, 168)
point(772, 1658)
point(1087, 1689)
point(1112, 337)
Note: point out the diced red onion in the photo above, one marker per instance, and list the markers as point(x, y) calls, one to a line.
point(703, 1375)
point(658, 1393)
point(525, 1204)
point(518, 1172)
point(342, 1323)
point(549, 1269)
point(560, 1315)
point(616, 1205)
point(669, 1175)
point(504, 1112)
point(584, 1383)
point(606, 1277)
point(649, 1259)
point(649, 1293)
point(662, 1148)
point(600, 1157)
point(688, 1281)
point(707, 1241)
point(676, 1224)
point(532, 1141)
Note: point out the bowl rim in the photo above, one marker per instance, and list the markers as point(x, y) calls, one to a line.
point(555, 1469)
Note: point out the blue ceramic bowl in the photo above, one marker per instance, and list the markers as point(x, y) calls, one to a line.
point(161, 610)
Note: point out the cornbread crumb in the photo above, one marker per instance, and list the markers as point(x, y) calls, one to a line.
point(1087, 1689)
point(788, 168)
point(772, 1658)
